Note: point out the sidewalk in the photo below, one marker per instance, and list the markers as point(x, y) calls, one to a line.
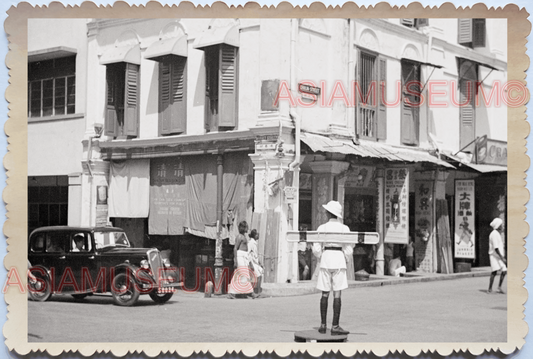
point(309, 287)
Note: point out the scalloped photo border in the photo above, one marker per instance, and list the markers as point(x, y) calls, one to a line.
point(15, 193)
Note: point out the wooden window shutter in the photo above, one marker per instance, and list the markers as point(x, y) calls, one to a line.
point(227, 86)
point(464, 31)
point(478, 37)
point(410, 111)
point(382, 109)
point(408, 22)
point(131, 99)
point(422, 22)
point(164, 97)
point(110, 124)
point(178, 116)
point(466, 112)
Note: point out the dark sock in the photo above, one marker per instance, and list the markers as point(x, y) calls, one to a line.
point(323, 309)
point(336, 311)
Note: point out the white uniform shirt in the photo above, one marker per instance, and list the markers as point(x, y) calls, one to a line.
point(332, 259)
point(495, 241)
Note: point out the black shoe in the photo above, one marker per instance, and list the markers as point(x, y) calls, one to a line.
point(337, 330)
point(322, 329)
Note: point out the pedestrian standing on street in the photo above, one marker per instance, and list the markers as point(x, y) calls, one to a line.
point(241, 280)
point(496, 254)
point(332, 273)
point(409, 255)
point(255, 264)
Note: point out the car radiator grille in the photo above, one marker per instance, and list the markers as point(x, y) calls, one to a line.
point(154, 259)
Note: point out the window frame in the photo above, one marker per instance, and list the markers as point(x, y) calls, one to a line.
point(122, 100)
point(472, 32)
point(43, 71)
point(410, 128)
point(221, 73)
point(172, 111)
point(377, 129)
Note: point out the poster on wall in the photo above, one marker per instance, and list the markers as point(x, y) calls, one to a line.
point(423, 224)
point(465, 246)
point(101, 205)
point(397, 205)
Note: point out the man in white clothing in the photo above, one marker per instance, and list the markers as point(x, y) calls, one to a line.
point(496, 254)
point(332, 274)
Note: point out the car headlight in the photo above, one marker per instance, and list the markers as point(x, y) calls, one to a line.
point(144, 264)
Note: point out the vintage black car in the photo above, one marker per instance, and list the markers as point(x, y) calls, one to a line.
point(82, 261)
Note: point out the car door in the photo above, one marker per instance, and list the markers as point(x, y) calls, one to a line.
point(79, 264)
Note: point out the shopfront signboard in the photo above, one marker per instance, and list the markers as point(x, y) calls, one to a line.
point(397, 205)
point(465, 246)
point(424, 225)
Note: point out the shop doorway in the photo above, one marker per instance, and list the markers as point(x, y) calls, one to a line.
point(360, 205)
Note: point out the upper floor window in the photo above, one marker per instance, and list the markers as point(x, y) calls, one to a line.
point(172, 95)
point(122, 102)
point(371, 114)
point(221, 67)
point(414, 23)
point(411, 88)
point(468, 77)
point(471, 32)
point(52, 87)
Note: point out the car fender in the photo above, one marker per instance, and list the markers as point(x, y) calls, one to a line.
point(140, 276)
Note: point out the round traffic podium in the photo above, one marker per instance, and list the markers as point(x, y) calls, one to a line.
point(313, 336)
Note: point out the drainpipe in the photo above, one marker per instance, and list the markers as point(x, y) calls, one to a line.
point(294, 166)
point(350, 111)
point(218, 246)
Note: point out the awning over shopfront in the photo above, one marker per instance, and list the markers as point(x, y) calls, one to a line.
point(482, 168)
point(228, 35)
point(164, 47)
point(319, 143)
point(126, 53)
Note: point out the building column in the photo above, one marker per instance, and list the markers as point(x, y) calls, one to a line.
point(94, 184)
point(379, 256)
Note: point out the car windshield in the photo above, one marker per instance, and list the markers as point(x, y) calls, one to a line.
point(111, 239)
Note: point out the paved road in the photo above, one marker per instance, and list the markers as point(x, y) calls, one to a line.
point(441, 311)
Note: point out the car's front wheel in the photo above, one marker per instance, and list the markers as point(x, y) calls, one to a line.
point(160, 297)
point(124, 290)
point(39, 287)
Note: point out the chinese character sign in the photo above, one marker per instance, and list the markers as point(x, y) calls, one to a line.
point(424, 224)
point(397, 205)
point(465, 246)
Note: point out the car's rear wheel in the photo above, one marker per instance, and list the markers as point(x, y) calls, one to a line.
point(124, 290)
point(79, 296)
point(39, 287)
point(160, 297)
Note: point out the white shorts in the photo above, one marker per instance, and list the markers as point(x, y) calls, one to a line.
point(497, 264)
point(329, 277)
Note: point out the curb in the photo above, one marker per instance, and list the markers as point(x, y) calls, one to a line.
point(309, 287)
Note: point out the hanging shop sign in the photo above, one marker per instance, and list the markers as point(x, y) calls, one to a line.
point(465, 246)
point(491, 151)
point(423, 224)
point(397, 205)
point(290, 194)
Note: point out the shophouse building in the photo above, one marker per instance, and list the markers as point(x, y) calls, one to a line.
point(193, 125)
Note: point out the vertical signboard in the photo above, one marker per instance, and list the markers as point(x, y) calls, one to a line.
point(397, 205)
point(423, 225)
point(465, 246)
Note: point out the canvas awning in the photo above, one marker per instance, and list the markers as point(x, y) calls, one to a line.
point(228, 35)
point(164, 47)
point(479, 167)
point(319, 143)
point(128, 53)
